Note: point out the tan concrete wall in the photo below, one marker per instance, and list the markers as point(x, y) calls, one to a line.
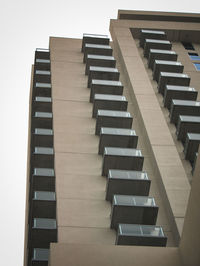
point(79, 186)
point(190, 240)
point(164, 161)
point(185, 60)
point(82, 212)
point(107, 255)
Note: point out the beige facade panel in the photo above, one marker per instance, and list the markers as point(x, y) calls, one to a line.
point(83, 213)
point(88, 164)
point(86, 235)
point(58, 44)
point(77, 254)
point(85, 187)
point(190, 241)
point(80, 142)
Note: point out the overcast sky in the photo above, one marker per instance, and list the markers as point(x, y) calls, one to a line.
point(24, 26)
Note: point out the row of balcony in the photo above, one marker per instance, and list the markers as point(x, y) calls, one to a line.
point(42, 196)
point(133, 211)
point(178, 97)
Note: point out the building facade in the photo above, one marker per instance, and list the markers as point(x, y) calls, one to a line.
point(113, 166)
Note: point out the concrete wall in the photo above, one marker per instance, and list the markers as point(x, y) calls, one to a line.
point(82, 212)
point(106, 255)
point(162, 154)
point(190, 240)
point(84, 236)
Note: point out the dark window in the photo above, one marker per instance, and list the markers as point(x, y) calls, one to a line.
point(197, 65)
point(192, 53)
point(194, 57)
point(188, 45)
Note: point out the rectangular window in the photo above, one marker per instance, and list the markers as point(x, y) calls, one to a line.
point(194, 57)
point(43, 85)
point(197, 65)
point(44, 223)
point(45, 195)
point(43, 99)
point(43, 172)
point(188, 45)
point(192, 53)
point(43, 131)
point(42, 72)
point(43, 150)
point(45, 61)
point(43, 115)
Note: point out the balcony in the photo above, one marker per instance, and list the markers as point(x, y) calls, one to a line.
point(191, 146)
point(42, 120)
point(42, 179)
point(42, 233)
point(124, 182)
point(99, 60)
point(166, 66)
point(42, 64)
point(181, 107)
point(40, 257)
point(133, 210)
point(194, 163)
point(114, 119)
point(157, 54)
point(43, 76)
point(42, 53)
point(187, 124)
point(42, 89)
point(42, 104)
point(43, 157)
point(151, 34)
point(109, 102)
point(96, 49)
point(168, 78)
point(117, 137)
point(94, 39)
point(140, 235)
point(178, 92)
point(43, 204)
point(105, 87)
point(155, 44)
point(42, 137)
point(102, 73)
point(121, 158)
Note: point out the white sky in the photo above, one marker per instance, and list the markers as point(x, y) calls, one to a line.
point(24, 26)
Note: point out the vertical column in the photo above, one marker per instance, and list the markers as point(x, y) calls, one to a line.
point(190, 239)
